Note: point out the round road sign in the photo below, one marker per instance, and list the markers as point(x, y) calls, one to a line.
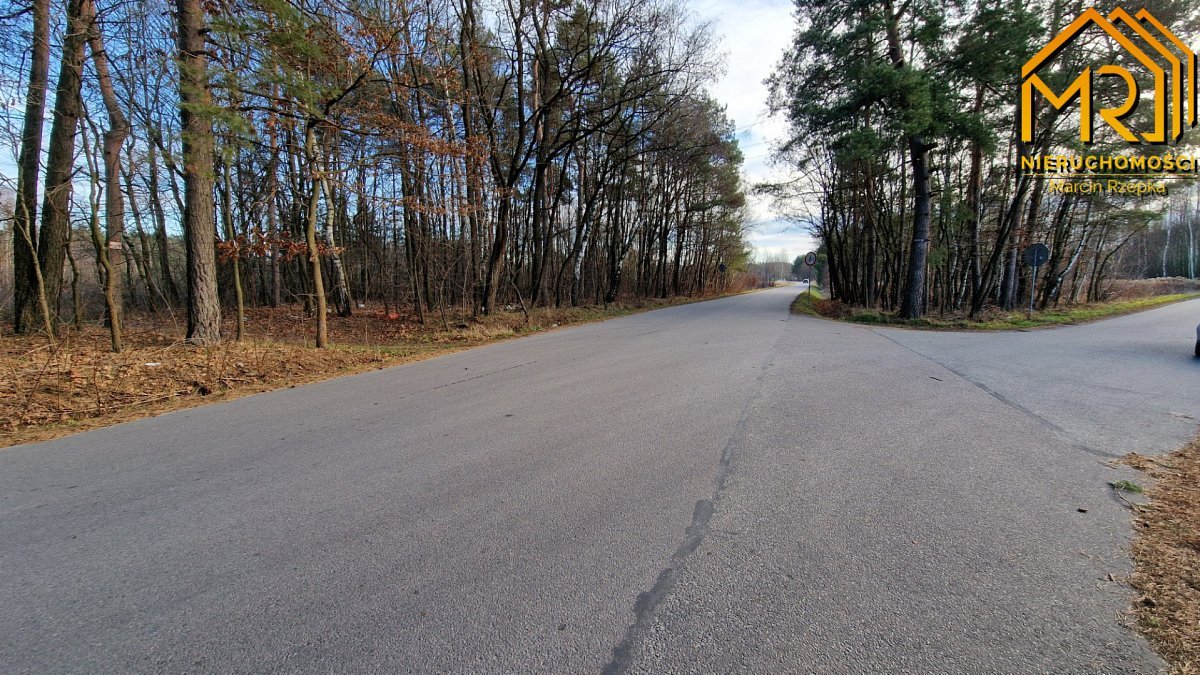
point(810, 259)
point(1037, 255)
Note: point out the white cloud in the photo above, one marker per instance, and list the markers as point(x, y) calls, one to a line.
point(754, 35)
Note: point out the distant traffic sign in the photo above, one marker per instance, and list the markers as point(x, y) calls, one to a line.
point(810, 259)
point(1037, 254)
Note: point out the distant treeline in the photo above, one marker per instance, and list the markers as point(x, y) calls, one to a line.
point(905, 130)
point(422, 155)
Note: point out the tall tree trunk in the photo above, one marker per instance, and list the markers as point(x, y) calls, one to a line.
point(1056, 291)
point(912, 305)
point(76, 305)
point(204, 309)
point(1061, 227)
point(538, 222)
point(29, 286)
point(104, 264)
point(145, 263)
point(472, 167)
point(273, 208)
point(975, 196)
point(342, 299)
point(231, 237)
point(1009, 282)
point(496, 258)
point(310, 237)
point(160, 229)
point(114, 203)
point(60, 161)
point(541, 70)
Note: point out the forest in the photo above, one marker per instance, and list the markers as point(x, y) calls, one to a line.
point(906, 141)
point(424, 157)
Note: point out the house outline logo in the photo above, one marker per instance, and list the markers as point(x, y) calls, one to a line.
point(1180, 76)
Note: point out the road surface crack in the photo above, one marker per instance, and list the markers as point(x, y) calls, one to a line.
point(1005, 400)
point(648, 602)
point(465, 379)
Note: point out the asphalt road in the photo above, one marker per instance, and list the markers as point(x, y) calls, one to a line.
point(712, 487)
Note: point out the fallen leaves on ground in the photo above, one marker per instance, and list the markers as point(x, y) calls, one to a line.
point(1166, 555)
point(47, 391)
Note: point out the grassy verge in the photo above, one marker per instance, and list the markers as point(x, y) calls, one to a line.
point(77, 384)
point(1166, 556)
point(992, 319)
point(809, 302)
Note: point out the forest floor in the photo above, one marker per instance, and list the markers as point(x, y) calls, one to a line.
point(991, 318)
point(1166, 556)
point(76, 383)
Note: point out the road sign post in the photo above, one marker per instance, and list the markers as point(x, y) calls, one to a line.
point(1036, 255)
point(810, 259)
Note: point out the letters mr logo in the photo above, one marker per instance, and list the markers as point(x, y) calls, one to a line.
point(1145, 42)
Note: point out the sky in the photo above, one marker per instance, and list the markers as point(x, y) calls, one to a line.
point(753, 34)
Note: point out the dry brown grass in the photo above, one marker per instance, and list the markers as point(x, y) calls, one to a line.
point(1167, 557)
point(1130, 289)
point(51, 390)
